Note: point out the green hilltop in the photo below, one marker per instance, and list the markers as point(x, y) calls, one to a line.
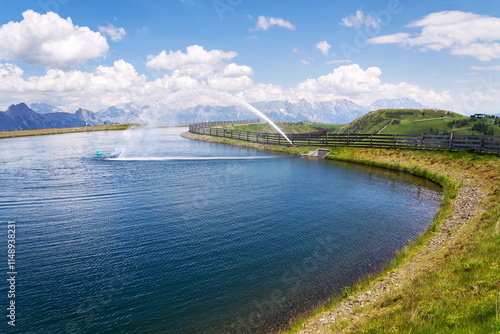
point(418, 121)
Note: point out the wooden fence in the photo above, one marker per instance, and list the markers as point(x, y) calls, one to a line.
point(481, 143)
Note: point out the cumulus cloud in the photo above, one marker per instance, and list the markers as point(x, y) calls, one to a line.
point(265, 23)
point(360, 19)
point(344, 80)
point(234, 70)
point(120, 84)
point(194, 69)
point(349, 82)
point(10, 70)
point(116, 34)
point(323, 46)
point(462, 33)
point(50, 41)
point(203, 69)
point(182, 86)
point(194, 55)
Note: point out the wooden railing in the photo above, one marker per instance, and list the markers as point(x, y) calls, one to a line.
point(481, 143)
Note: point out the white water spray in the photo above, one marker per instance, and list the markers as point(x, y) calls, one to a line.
point(157, 114)
point(261, 115)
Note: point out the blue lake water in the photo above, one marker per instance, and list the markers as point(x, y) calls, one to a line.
point(181, 236)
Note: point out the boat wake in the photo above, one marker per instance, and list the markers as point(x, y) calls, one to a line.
point(189, 158)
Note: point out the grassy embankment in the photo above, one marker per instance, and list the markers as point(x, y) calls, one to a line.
point(39, 132)
point(446, 281)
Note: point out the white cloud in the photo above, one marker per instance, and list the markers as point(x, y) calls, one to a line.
point(265, 23)
point(184, 85)
point(486, 68)
point(195, 55)
point(235, 84)
point(50, 41)
point(119, 84)
point(306, 61)
point(360, 19)
point(113, 85)
point(234, 70)
point(344, 80)
point(10, 70)
point(10, 79)
point(323, 46)
point(463, 34)
point(116, 34)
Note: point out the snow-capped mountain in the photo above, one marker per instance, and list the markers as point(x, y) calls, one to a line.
point(44, 108)
point(403, 103)
point(130, 113)
point(340, 111)
point(337, 111)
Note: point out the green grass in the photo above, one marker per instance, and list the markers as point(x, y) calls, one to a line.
point(286, 127)
point(461, 297)
point(332, 128)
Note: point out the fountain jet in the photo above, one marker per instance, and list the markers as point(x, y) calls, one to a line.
point(261, 115)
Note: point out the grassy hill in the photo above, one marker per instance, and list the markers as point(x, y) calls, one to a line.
point(418, 121)
point(286, 127)
point(390, 121)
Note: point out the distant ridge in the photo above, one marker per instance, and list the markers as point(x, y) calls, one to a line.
point(22, 117)
point(340, 111)
point(403, 103)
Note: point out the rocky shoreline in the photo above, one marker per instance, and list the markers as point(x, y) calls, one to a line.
point(468, 207)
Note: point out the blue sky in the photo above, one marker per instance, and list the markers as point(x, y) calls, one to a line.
point(94, 54)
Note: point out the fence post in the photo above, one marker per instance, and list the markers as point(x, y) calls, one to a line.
point(348, 139)
point(482, 143)
point(371, 140)
point(421, 141)
point(450, 146)
point(395, 138)
point(309, 140)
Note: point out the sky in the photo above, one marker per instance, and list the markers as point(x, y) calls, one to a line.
point(96, 54)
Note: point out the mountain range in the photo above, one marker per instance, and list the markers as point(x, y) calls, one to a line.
point(22, 117)
point(342, 111)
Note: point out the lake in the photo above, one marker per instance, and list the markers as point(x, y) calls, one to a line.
point(160, 234)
